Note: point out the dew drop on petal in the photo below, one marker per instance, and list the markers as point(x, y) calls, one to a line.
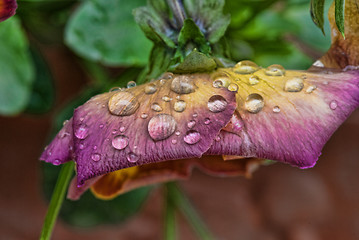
point(318, 63)
point(275, 70)
point(276, 109)
point(81, 146)
point(253, 80)
point(94, 147)
point(81, 132)
point(182, 85)
point(192, 137)
point(156, 107)
point(295, 84)
point(207, 121)
point(122, 129)
point(191, 124)
point(174, 141)
point(131, 84)
point(120, 142)
point(114, 89)
point(195, 115)
point(96, 157)
point(333, 105)
point(166, 98)
point(101, 125)
point(218, 138)
point(311, 89)
point(246, 67)
point(254, 103)
point(123, 104)
point(150, 88)
point(132, 157)
point(221, 81)
point(144, 115)
point(217, 104)
point(233, 87)
point(161, 126)
point(179, 106)
point(65, 122)
point(167, 75)
point(56, 162)
point(177, 133)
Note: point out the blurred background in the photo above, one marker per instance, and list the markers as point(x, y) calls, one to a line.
point(58, 54)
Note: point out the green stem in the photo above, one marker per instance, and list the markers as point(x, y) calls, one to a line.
point(185, 206)
point(56, 200)
point(170, 217)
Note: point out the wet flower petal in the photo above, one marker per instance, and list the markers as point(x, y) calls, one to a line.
point(7, 9)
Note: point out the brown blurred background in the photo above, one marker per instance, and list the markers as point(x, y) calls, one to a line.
point(279, 202)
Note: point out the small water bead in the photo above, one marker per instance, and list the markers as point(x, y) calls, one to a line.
point(101, 126)
point(81, 146)
point(122, 129)
point(276, 109)
point(56, 162)
point(311, 89)
point(195, 115)
point(82, 119)
point(218, 138)
point(96, 157)
point(123, 104)
point(233, 87)
point(174, 141)
point(192, 137)
point(182, 85)
point(217, 104)
point(156, 107)
point(150, 88)
point(318, 63)
point(120, 142)
point(131, 84)
point(81, 132)
point(166, 98)
point(275, 70)
point(144, 115)
point(207, 121)
point(114, 131)
point(325, 82)
point(333, 105)
point(161, 126)
point(178, 97)
point(295, 84)
point(167, 75)
point(94, 147)
point(191, 124)
point(254, 103)
point(179, 106)
point(114, 89)
point(65, 122)
point(177, 133)
point(246, 67)
point(222, 81)
point(253, 80)
point(132, 157)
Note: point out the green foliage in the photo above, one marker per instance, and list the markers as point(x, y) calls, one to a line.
point(339, 15)
point(317, 13)
point(105, 31)
point(16, 68)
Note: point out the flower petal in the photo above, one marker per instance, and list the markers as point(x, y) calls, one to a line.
point(172, 118)
point(289, 117)
point(7, 9)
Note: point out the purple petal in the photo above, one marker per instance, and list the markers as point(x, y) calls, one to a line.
point(7, 9)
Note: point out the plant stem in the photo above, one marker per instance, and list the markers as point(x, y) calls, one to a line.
point(170, 216)
point(185, 206)
point(56, 200)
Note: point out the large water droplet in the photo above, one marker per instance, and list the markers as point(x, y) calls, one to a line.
point(132, 157)
point(96, 157)
point(191, 124)
point(254, 103)
point(161, 126)
point(182, 84)
point(275, 70)
point(295, 84)
point(120, 142)
point(253, 80)
point(217, 104)
point(233, 87)
point(150, 88)
point(156, 107)
point(179, 106)
point(131, 84)
point(333, 105)
point(245, 67)
point(192, 137)
point(123, 104)
point(81, 132)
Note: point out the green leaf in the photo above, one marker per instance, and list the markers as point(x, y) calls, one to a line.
point(105, 31)
point(339, 15)
point(43, 93)
point(196, 62)
point(317, 13)
point(16, 68)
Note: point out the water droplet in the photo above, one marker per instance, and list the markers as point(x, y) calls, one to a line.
point(82, 119)
point(179, 106)
point(295, 84)
point(94, 147)
point(156, 107)
point(65, 122)
point(253, 80)
point(174, 141)
point(222, 81)
point(144, 115)
point(177, 133)
point(150, 88)
point(123, 104)
point(218, 138)
point(207, 121)
point(101, 125)
point(166, 98)
point(311, 89)
point(132, 157)
point(122, 129)
point(195, 115)
point(167, 75)
point(245, 67)
point(56, 162)
point(333, 105)
point(217, 104)
point(233, 87)
point(131, 84)
point(114, 89)
point(81, 132)
point(96, 157)
point(182, 85)
point(178, 97)
point(191, 124)
point(275, 70)
point(192, 137)
point(318, 63)
point(64, 134)
point(325, 82)
point(120, 142)
point(276, 109)
point(81, 146)
point(161, 126)
point(254, 103)
point(114, 131)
